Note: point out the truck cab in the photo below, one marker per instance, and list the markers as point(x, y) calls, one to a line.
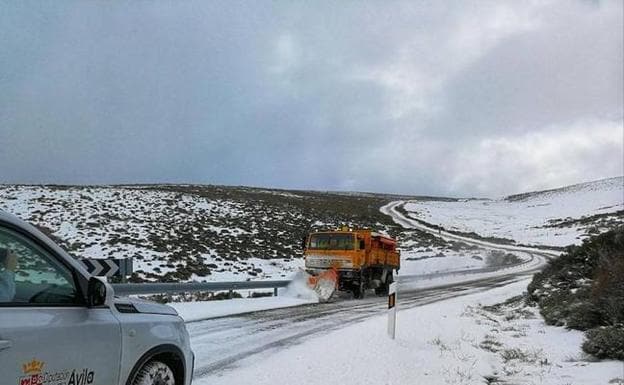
point(363, 259)
point(59, 325)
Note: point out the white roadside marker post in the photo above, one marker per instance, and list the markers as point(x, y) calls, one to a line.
point(392, 297)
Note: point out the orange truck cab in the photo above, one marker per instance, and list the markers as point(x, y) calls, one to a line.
point(363, 258)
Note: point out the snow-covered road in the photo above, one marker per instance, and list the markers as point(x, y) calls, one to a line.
point(391, 210)
point(460, 341)
point(220, 344)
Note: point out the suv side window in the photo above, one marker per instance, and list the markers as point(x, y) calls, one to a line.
point(31, 276)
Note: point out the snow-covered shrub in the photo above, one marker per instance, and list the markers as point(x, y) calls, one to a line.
point(605, 342)
point(583, 316)
point(500, 258)
point(584, 289)
point(608, 288)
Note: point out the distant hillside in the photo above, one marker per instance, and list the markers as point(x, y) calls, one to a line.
point(187, 232)
point(597, 186)
point(557, 217)
point(198, 232)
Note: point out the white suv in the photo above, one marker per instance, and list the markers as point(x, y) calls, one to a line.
point(59, 325)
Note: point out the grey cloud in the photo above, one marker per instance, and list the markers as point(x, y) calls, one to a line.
point(569, 69)
point(351, 95)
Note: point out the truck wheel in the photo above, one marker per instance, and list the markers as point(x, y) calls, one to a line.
point(155, 373)
point(385, 287)
point(359, 290)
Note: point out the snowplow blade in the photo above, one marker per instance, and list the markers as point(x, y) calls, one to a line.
point(324, 284)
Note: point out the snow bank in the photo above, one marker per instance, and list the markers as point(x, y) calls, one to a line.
point(295, 294)
point(195, 311)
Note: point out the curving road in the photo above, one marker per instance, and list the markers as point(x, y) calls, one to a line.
point(223, 343)
point(391, 210)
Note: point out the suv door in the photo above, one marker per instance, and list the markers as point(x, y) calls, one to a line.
point(48, 336)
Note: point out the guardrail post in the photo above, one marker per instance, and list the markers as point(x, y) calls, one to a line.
point(274, 292)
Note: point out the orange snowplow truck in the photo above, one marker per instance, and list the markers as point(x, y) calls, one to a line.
point(362, 259)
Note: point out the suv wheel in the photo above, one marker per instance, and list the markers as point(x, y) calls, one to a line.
point(155, 373)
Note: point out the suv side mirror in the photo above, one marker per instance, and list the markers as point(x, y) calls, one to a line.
point(96, 292)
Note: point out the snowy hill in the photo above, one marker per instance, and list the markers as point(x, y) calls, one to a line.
point(184, 232)
point(216, 233)
point(557, 217)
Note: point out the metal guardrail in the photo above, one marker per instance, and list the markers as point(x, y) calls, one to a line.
point(187, 287)
point(175, 287)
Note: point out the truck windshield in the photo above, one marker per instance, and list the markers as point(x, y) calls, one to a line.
point(332, 241)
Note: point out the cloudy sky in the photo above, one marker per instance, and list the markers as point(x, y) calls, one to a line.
point(422, 97)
